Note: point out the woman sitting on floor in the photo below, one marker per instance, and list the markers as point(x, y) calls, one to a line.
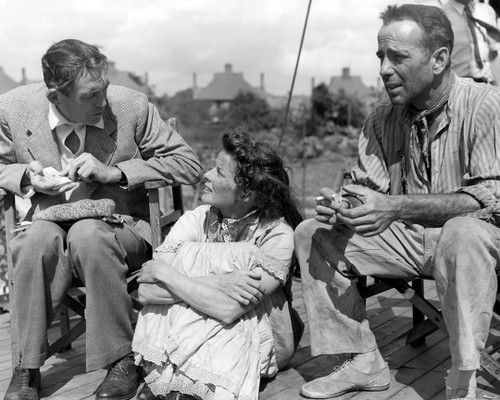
point(216, 317)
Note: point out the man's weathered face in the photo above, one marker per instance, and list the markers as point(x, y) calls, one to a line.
point(405, 65)
point(86, 102)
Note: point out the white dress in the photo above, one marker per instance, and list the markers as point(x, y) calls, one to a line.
point(187, 351)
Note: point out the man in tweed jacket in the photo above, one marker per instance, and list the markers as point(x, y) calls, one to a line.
point(107, 140)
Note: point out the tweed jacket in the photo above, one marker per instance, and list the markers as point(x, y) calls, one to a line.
point(134, 139)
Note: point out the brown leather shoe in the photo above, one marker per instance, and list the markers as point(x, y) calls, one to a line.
point(121, 382)
point(24, 385)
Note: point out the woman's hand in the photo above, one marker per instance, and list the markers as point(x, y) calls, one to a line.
point(150, 271)
point(241, 286)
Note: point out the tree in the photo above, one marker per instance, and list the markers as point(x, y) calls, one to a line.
point(182, 105)
point(247, 107)
point(348, 110)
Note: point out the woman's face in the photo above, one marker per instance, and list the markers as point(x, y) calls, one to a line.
point(221, 190)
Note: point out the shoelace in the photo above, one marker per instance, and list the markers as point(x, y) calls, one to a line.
point(339, 368)
point(117, 370)
point(24, 377)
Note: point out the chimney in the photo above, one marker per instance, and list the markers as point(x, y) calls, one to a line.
point(195, 85)
point(146, 79)
point(228, 68)
point(262, 81)
point(24, 81)
point(312, 84)
point(345, 73)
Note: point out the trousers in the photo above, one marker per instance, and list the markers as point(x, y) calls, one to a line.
point(47, 257)
point(463, 261)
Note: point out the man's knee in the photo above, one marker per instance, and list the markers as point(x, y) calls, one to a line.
point(304, 231)
point(461, 233)
point(44, 236)
point(88, 234)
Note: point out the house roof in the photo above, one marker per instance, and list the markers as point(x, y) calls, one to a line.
point(124, 78)
point(225, 86)
point(6, 82)
point(349, 84)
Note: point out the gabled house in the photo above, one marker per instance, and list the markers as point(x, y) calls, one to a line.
point(350, 84)
point(126, 79)
point(225, 86)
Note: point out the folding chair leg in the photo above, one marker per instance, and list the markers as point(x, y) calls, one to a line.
point(418, 316)
point(64, 321)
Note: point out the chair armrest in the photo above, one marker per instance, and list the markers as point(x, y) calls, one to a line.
point(158, 221)
point(155, 184)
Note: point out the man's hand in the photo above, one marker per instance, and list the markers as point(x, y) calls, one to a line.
point(241, 286)
point(373, 216)
point(89, 169)
point(327, 208)
point(44, 184)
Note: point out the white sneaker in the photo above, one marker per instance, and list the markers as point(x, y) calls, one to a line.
point(346, 378)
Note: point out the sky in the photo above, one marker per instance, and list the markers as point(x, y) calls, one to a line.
point(173, 39)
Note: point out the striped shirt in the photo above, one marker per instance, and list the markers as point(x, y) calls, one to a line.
point(464, 152)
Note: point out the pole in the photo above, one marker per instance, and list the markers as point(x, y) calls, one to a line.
point(295, 73)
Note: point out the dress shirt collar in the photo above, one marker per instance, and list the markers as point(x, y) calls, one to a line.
point(460, 8)
point(57, 119)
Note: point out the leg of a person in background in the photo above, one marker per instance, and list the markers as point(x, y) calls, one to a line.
point(465, 262)
point(330, 260)
point(42, 277)
point(101, 254)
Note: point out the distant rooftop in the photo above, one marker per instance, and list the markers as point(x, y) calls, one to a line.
point(126, 79)
point(349, 84)
point(225, 86)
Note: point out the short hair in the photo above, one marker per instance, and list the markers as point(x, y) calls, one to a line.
point(261, 169)
point(68, 60)
point(432, 20)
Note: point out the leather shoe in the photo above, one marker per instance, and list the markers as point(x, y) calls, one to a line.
point(121, 382)
point(344, 379)
point(24, 385)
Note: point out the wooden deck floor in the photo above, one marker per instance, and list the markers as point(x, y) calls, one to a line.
point(416, 372)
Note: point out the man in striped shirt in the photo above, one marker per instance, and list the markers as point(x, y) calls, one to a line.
point(424, 202)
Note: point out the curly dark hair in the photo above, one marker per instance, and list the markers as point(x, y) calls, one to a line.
point(261, 169)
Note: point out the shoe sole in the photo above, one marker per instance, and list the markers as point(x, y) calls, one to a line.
point(355, 389)
point(127, 397)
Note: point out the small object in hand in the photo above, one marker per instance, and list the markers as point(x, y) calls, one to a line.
point(323, 201)
point(53, 176)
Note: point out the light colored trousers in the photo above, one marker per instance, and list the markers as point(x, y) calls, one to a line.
point(462, 258)
point(46, 258)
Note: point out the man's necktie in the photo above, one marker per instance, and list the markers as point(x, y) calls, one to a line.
point(423, 138)
point(472, 27)
point(72, 142)
point(492, 31)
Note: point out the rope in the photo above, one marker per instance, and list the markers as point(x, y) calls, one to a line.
point(294, 74)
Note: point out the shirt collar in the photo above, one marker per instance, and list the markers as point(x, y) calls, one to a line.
point(57, 119)
point(460, 8)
